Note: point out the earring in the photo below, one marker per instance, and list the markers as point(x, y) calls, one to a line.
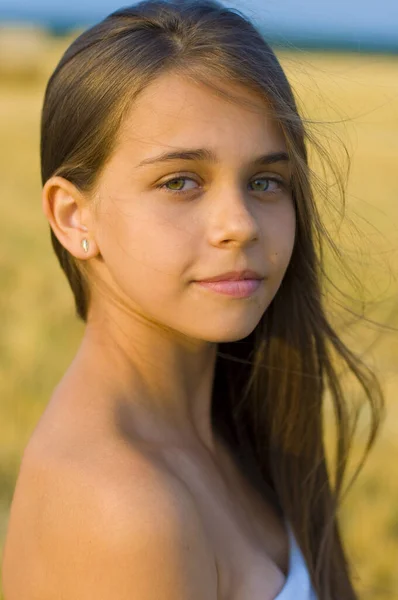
point(85, 245)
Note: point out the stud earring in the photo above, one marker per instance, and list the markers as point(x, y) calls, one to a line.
point(85, 245)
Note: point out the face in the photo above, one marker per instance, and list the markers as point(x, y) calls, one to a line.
point(163, 224)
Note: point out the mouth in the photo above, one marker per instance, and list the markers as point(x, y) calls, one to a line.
point(247, 274)
point(239, 288)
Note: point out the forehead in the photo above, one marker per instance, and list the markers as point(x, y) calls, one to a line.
point(176, 111)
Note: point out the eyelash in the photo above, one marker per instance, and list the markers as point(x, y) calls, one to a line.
point(281, 183)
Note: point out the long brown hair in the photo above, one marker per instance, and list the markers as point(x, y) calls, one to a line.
point(270, 389)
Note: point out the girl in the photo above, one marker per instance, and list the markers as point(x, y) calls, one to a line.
point(182, 455)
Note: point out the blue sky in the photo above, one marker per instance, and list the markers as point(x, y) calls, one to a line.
point(309, 17)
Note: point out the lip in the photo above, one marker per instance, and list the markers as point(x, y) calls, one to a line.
point(239, 288)
point(233, 276)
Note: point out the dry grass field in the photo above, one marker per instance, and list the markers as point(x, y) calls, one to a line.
point(353, 98)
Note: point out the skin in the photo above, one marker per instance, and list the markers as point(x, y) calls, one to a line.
point(152, 333)
point(147, 358)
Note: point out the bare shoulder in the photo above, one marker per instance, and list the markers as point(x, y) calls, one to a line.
point(131, 533)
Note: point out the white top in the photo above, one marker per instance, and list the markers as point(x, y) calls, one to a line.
point(298, 583)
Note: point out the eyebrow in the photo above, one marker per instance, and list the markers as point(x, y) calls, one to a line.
point(203, 154)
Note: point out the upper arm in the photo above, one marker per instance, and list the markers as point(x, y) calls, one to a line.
point(144, 544)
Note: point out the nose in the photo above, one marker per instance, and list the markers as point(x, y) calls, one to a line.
point(233, 217)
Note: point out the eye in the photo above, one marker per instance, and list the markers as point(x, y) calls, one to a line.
point(176, 184)
point(259, 185)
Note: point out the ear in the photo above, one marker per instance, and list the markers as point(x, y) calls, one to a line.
point(68, 213)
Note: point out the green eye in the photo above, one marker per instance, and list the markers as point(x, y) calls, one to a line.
point(172, 183)
point(176, 184)
point(258, 184)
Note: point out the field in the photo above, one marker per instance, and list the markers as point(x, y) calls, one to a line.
point(350, 97)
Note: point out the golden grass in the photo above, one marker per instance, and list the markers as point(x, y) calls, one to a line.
point(39, 333)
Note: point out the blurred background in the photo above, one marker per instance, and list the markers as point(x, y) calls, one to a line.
point(342, 61)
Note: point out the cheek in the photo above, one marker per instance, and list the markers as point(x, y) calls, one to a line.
point(280, 235)
point(142, 252)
